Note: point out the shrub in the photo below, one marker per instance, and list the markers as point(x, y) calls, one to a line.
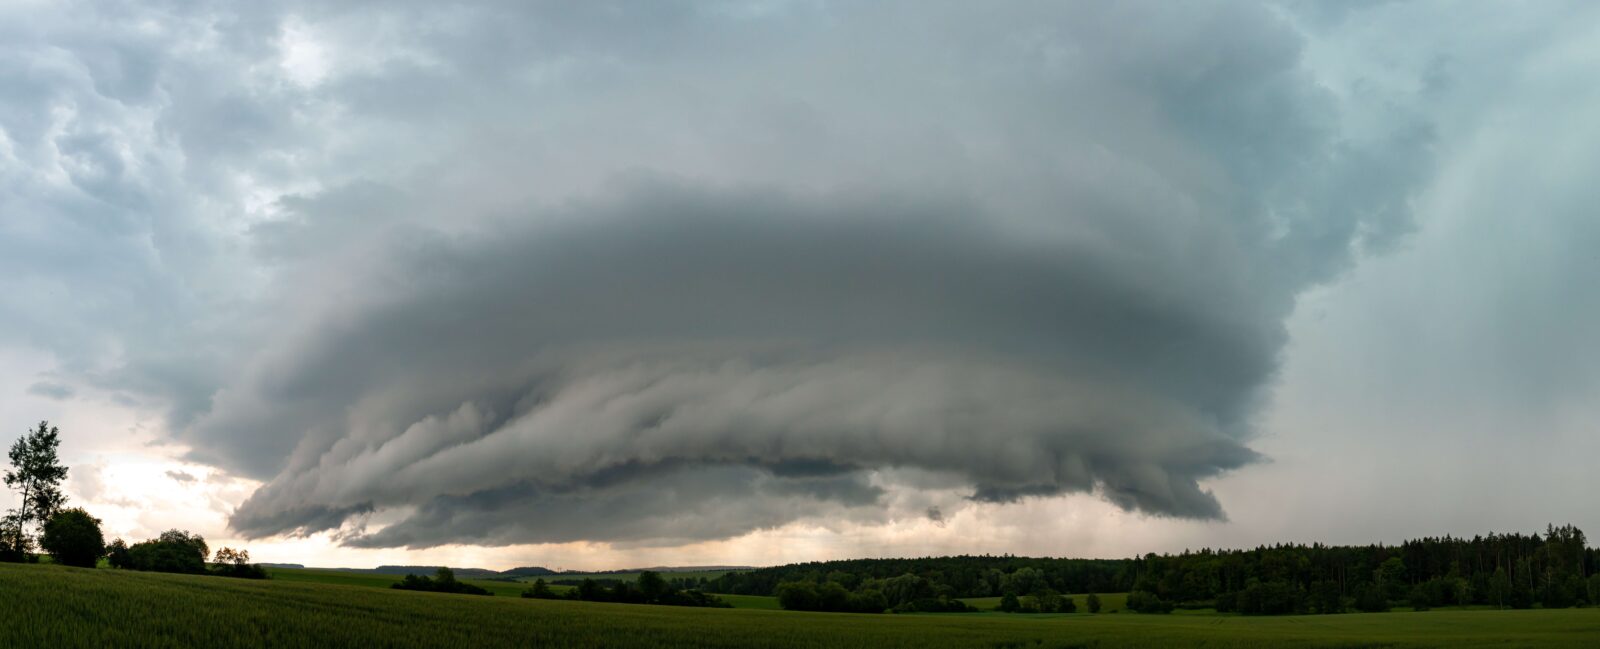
point(1092, 602)
point(1141, 601)
point(72, 537)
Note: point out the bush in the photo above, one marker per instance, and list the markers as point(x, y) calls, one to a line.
point(1093, 603)
point(1141, 601)
point(1009, 603)
point(933, 605)
point(1067, 606)
point(72, 537)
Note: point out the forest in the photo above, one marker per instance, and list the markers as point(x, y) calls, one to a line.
point(1555, 569)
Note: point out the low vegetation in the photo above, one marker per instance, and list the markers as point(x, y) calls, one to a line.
point(443, 581)
point(650, 588)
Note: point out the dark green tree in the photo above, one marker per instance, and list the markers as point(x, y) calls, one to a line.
point(539, 590)
point(73, 538)
point(1325, 597)
point(37, 473)
point(1009, 603)
point(1092, 602)
point(652, 586)
point(14, 544)
point(1067, 606)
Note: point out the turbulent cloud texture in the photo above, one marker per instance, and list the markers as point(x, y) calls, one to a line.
point(663, 273)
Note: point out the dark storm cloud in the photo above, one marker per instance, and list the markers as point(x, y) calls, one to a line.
point(675, 272)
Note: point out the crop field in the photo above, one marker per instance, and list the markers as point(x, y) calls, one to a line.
point(55, 606)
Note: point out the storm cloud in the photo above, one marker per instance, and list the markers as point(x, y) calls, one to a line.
point(661, 273)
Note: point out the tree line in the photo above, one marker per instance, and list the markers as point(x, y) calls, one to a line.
point(1555, 569)
point(73, 537)
point(649, 588)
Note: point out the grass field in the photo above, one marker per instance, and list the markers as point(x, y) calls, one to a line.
point(55, 606)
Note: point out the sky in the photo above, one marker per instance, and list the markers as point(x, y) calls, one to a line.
point(612, 284)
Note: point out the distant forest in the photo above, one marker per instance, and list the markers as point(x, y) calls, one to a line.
point(1555, 569)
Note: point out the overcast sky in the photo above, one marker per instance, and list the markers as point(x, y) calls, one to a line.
point(613, 284)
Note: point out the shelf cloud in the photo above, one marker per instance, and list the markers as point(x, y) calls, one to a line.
point(666, 273)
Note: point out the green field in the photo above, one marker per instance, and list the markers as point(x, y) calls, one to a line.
point(55, 606)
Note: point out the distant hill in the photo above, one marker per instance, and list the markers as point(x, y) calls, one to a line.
point(527, 571)
point(282, 565)
point(461, 573)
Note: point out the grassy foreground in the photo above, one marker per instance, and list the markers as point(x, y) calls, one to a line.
point(55, 606)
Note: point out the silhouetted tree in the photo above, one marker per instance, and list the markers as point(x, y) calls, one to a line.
point(1009, 603)
point(540, 590)
point(1092, 602)
point(236, 563)
point(72, 537)
point(37, 473)
point(652, 586)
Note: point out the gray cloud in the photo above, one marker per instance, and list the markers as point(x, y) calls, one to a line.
point(50, 390)
point(685, 271)
point(180, 476)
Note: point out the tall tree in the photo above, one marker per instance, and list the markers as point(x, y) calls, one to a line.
point(36, 471)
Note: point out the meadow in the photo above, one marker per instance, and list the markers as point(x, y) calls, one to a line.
point(57, 606)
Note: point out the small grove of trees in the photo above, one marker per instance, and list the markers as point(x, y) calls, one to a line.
point(1141, 601)
point(1043, 600)
point(443, 581)
point(906, 593)
point(236, 563)
point(36, 472)
point(182, 552)
point(173, 551)
point(650, 588)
